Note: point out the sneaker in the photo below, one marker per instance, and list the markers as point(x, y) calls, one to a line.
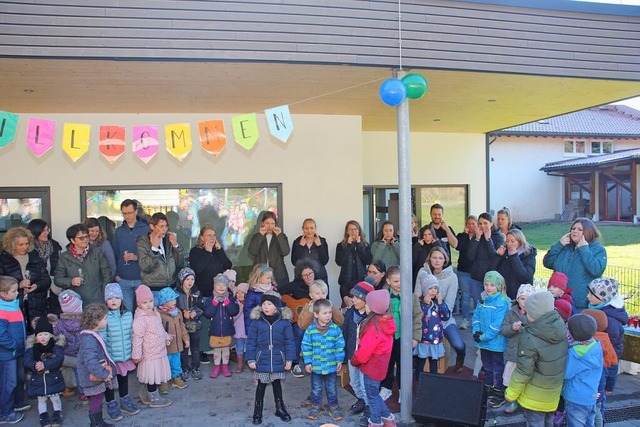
point(496, 402)
point(511, 407)
point(185, 375)
point(357, 407)
point(315, 412)
point(163, 388)
point(297, 372)
point(335, 412)
point(12, 418)
point(464, 324)
point(22, 408)
point(196, 375)
point(56, 419)
point(178, 383)
point(385, 393)
point(204, 359)
point(44, 420)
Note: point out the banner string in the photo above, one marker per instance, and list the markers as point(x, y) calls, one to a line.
point(337, 91)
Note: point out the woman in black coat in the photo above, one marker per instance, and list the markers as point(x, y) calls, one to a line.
point(517, 262)
point(208, 259)
point(353, 255)
point(269, 246)
point(484, 246)
point(420, 250)
point(311, 246)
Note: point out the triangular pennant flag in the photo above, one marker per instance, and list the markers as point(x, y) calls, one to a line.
point(145, 142)
point(212, 136)
point(8, 126)
point(75, 140)
point(245, 130)
point(40, 134)
point(178, 139)
point(280, 123)
point(111, 144)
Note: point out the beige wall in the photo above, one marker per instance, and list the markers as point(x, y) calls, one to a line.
point(320, 168)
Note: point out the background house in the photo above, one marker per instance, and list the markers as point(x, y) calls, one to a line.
point(582, 163)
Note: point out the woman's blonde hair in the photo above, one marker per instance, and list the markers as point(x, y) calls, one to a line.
point(521, 239)
point(12, 235)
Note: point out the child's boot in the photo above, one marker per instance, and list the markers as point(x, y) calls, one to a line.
point(128, 406)
point(113, 411)
point(144, 396)
point(216, 372)
point(281, 411)
point(177, 382)
point(98, 421)
point(44, 420)
point(459, 363)
point(56, 419)
point(240, 364)
point(390, 421)
point(370, 424)
point(257, 412)
point(164, 388)
point(156, 401)
point(225, 370)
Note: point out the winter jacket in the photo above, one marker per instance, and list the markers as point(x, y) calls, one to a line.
point(580, 264)
point(464, 263)
point(107, 250)
point(174, 325)
point(158, 271)
point(385, 252)
point(350, 331)
point(374, 349)
point(221, 316)
point(92, 353)
point(69, 326)
point(416, 313)
point(610, 358)
point(483, 256)
point(124, 239)
point(9, 266)
point(513, 337)
point(537, 380)
point(95, 270)
point(617, 318)
point(487, 318)
point(323, 351)
point(49, 381)
point(118, 335)
point(419, 254)
point(149, 336)
point(353, 259)
point(306, 316)
point(272, 255)
point(448, 282)
point(583, 372)
point(270, 346)
point(206, 266)
point(517, 269)
point(13, 331)
point(238, 323)
point(434, 315)
point(190, 302)
point(319, 254)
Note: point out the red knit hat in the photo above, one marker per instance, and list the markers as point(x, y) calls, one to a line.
point(558, 280)
point(563, 307)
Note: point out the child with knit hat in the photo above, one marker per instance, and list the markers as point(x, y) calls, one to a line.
point(117, 336)
point(374, 352)
point(558, 287)
point(564, 309)
point(189, 302)
point(232, 276)
point(487, 320)
point(583, 371)
point(353, 317)
point(512, 329)
point(434, 313)
point(149, 349)
point(240, 336)
point(43, 358)
point(536, 383)
point(270, 351)
point(603, 295)
point(69, 325)
point(174, 325)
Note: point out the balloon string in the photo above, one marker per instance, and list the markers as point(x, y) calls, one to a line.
point(337, 91)
point(400, 32)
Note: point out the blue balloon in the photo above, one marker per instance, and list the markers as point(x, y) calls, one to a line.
point(393, 92)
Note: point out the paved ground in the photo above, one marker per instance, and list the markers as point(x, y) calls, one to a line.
point(229, 402)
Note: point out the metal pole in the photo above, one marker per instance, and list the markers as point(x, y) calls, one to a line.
point(406, 294)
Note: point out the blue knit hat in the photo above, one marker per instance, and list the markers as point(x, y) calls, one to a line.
point(166, 295)
point(112, 290)
point(184, 273)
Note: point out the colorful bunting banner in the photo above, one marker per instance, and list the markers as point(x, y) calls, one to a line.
point(245, 130)
point(40, 134)
point(145, 142)
point(280, 123)
point(111, 144)
point(8, 126)
point(212, 136)
point(178, 139)
point(75, 140)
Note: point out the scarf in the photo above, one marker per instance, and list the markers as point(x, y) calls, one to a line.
point(74, 253)
point(173, 312)
point(263, 287)
point(322, 329)
point(221, 298)
point(44, 250)
point(43, 352)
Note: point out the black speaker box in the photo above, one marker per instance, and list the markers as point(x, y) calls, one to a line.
point(449, 402)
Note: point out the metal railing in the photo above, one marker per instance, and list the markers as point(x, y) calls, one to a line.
point(628, 277)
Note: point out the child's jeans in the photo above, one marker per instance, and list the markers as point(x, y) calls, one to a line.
point(612, 377)
point(493, 368)
point(377, 407)
point(356, 381)
point(298, 334)
point(579, 415)
point(8, 380)
point(329, 383)
point(538, 419)
point(194, 347)
point(174, 362)
point(241, 346)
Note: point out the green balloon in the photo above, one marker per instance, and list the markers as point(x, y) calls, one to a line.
point(416, 85)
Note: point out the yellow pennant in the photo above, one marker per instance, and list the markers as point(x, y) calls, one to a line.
point(245, 130)
point(178, 139)
point(75, 140)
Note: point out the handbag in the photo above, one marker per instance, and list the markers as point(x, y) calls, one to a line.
point(191, 326)
point(218, 342)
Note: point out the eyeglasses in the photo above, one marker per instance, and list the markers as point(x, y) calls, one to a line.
point(307, 274)
point(128, 213)
point(85, 237)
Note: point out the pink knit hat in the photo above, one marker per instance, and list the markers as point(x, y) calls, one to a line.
point(231, 274)
point(143, 293)
point(378, 301)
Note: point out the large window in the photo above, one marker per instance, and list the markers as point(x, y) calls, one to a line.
point(601, 147)
point(232, 210)
point(575, 148)
point(19, 205)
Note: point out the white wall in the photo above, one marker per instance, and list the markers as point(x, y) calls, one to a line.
point(320, 168)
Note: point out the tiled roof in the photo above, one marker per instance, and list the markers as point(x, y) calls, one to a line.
point(607, 120)
point(593, 160)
